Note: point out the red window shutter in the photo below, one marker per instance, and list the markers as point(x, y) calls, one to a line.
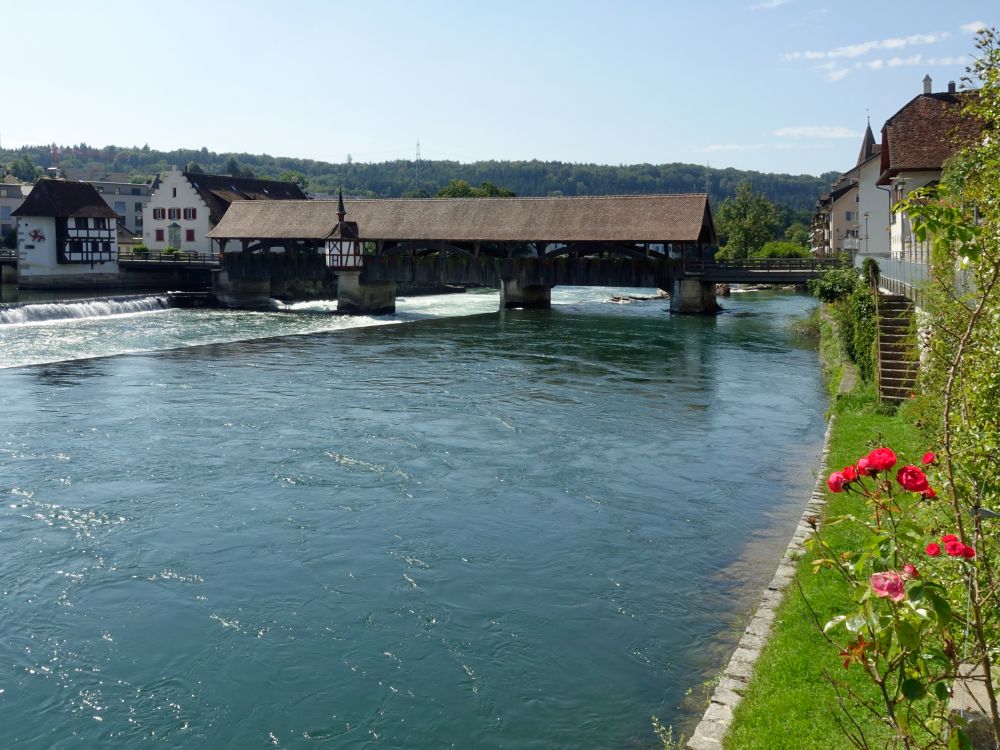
point(159, 235)
point(194, 213)
point(189, 235)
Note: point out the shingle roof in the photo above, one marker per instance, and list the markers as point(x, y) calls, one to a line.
point(218, 191)
point(925, 132)
point(868, 146)
point(629, 218)
point(64, 199)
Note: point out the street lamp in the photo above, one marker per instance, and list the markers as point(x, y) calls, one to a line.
point(866, 214)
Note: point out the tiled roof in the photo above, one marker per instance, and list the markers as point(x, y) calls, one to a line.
point(630, 218)
point(218, 191)
point(925, 132)
point(64, 199)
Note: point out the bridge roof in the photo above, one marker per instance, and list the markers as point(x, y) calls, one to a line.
point(622, 218)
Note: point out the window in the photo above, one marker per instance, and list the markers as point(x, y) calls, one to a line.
point(100, 223)
point(175, 192)
point(189, 235)
point(4, 212)
point(159, 213)
point(120, 208)
point(851, 215)
point(136, 191)
point(173, 213)
point(159, 235)
point(138, 207)
point(190, 213)
point(80, 223)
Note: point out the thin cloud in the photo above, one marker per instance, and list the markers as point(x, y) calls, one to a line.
point(768, 4)
point(816, 131)
point(880, 63)
point(972, 28)
point(864, 48)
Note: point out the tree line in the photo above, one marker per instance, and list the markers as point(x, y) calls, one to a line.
point(399, 178)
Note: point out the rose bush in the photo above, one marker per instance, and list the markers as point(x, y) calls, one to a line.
point(908, 631)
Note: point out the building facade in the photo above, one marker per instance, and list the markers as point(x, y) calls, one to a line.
point(127, 200)
point(66, 236)
point(12, 195)
point(186, 205)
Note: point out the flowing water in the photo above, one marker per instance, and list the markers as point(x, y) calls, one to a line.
point(448, 528)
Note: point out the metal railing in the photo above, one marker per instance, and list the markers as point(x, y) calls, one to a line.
point(159, 257)
point(764, 264)
point(8, 252)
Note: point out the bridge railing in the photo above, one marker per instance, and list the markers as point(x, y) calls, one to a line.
point(788, 265)
point(158, 257)
point(6, 252)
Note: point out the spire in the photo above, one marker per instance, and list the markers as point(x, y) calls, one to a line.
point(341, 211)
point(867, 145)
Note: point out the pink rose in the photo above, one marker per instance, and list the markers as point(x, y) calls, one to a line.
point(910, 572)
point(836, 482)
point(933, 549)
point(912, 479)
point(929, 493)
point(850, 473)
point(881, 459)
point(863, 468)
point(888, 584)
point(968, 553)
point(928, 458)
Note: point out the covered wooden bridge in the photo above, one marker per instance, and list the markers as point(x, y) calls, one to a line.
point(525, 246)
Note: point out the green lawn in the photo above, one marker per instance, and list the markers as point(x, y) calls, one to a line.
point(790, 702)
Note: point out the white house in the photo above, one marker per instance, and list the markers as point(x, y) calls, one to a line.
point(66, 236)
point(186, 205)
point(12, 195)
point(916, 141)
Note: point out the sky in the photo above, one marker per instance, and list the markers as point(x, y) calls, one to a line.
point(768, 85)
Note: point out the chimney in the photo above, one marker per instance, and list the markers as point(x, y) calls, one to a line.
point(951, 87)
point(927, 84)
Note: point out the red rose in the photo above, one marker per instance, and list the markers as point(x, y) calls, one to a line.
point(881, 459)
point(910, 571)
point(850, 473)
point(933, 549)
point(968, 553)
point(929, 493)
point(929, 457)
point(949, 538)
point(912, 479)
point(954, 548)
point(863, 468)
point(836, 482)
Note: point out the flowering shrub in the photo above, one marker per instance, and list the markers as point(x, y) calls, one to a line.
point(909, 630)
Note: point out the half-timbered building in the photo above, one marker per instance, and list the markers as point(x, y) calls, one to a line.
point(66, 236)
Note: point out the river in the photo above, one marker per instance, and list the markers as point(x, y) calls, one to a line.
point(449, 528)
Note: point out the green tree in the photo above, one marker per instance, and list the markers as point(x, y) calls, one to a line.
point(798, 233)
point(290, 175)
point(462, 189)
point(232, 167)
point(24, 170)
point(195, 168)
point(745, 222)
point(781, 249)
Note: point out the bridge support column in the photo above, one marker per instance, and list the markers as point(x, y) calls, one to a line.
point(8, 274)
point(692, 296)
point(533, 297)
point(364, 299)
point(247, 294)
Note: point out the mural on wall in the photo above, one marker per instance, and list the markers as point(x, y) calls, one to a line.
point(37, 236)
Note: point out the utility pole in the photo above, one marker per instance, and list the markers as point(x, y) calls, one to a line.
point(417, 168)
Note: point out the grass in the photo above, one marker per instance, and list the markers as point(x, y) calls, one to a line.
point(790, 702)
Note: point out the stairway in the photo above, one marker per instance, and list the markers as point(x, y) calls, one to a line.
point(897, 358)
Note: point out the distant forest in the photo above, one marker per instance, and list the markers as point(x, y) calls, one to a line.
point(796, 194)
